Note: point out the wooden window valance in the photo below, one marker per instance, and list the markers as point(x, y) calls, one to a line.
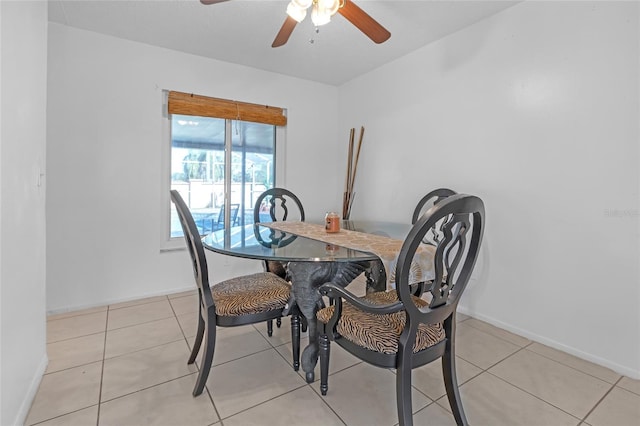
point(190, 104)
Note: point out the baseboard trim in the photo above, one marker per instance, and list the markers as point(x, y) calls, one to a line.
point(64, 310)
point(21, 415)
point(620, 369)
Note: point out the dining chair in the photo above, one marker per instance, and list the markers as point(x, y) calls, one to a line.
point(431, 237)
point(429, 200)
point(397, 329)
point(242, 300)
point(218, 223)
point(277, 204)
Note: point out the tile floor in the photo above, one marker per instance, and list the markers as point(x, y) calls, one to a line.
point(125, 364)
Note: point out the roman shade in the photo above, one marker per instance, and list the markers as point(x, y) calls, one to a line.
point(190, 104)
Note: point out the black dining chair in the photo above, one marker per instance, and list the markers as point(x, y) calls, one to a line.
point(430, 200)
point(277, 204)
point(400, 330)
point(242, 300)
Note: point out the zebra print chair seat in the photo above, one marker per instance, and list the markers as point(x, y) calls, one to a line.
point(377, 332)
point(250, 294)
point(247, 299)
point(398, 329)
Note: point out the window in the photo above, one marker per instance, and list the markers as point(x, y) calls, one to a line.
point(223, 156)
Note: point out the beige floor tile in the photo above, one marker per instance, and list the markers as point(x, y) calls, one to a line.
point(366, 395)
point(481, 348)
point(139, 370)
point(167, 404)
point(66, 391)
point(620, 408)
point(185, 305)
point(87, 416)
point(564, 387)
point(76, 326)
point(429, 380)
point(139, 314)
point(498, 332)
point(137, 302)
point(75, 352)
point(188, 324)
point(434, 415)
point(246, 382)
point(281, 335)
point(236, 342)
point(630, 385)
point(300, 407)
point(489, 401)
point(76, 313)
point(233, 343)
point(142, 336)
point(595, 370)
point(339, 359)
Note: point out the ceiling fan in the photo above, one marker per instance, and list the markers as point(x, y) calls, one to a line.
point(321, 13)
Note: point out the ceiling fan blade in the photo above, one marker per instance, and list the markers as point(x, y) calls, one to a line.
point(285, 32)
point(211, 1)
point(365, 23)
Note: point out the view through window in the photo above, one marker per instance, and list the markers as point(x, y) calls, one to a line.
point(199, 169)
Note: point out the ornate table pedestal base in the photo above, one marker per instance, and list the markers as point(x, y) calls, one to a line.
point(308, 276)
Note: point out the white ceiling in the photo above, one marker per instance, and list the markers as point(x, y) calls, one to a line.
point(241, 31)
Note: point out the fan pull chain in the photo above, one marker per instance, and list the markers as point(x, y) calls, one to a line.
point(316, 31)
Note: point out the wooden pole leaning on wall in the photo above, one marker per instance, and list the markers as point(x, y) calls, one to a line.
point(352, 168)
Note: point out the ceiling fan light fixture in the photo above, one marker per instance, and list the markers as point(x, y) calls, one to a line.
point(323, 10)
point(320, 15)
point(302, 4)
point(331, 6)
point(295, 11)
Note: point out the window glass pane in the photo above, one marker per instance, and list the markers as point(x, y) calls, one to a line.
point(253, 167)
point(198, 169)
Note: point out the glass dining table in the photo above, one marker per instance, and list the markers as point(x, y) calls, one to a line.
point(310, 264)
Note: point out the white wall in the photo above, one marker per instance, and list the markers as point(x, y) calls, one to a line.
point(23, 70)
point(104, 156)
point(535, 110)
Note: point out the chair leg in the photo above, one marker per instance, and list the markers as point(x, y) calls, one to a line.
point(295, 341)
point(198, 341)
point(207, 356)
point(325, 349)
point(403, 377)
point(278, 322)
point(270, 328)
point(449, 374)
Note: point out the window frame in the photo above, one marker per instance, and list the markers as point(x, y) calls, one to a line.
point(168, 243)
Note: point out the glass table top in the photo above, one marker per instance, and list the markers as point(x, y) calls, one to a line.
point(259, 242)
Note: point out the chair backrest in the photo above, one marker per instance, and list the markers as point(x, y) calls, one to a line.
point(455, 256)
point(233, 214)
point(275, 199)
point(430, 200)
point(196, 249)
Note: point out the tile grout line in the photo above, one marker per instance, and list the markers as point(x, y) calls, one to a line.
point(261, 403)
point(600, 400)
point(535, 396)
point(575, 368)
point(531, 343)
point(324, 401)
point(104, 351)
point(186, 340)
